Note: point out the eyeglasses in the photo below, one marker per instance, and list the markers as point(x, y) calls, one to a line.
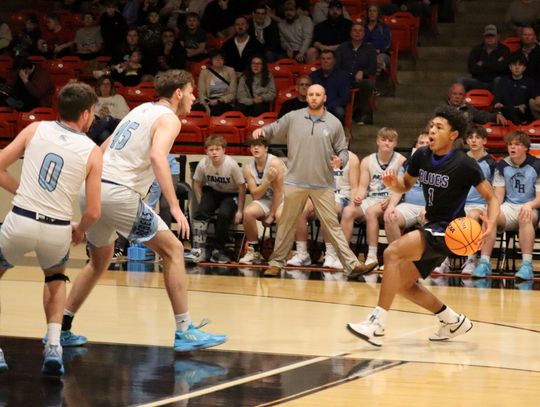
point(305, 85)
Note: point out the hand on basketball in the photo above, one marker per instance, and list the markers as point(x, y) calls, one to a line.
point(389, 178)
point(257, 133)
point(181, 221)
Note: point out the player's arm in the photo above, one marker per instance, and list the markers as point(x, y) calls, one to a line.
point(363, 182)
point(489, 225)
point(354, 173)
point(241, 203)
point(12, 153)
point(92, 212)
point(255, 190)
point(277, 185)
point(398, 184)
point(165, 130)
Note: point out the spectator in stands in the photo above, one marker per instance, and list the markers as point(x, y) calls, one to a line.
point(256, 88)
point(456, 98)
point(264, 174)
point(407, 210)
point(5, 37)
point(31, 86)
point(110, 109)
point(332, 32)
point(359, 60)
point(169, 55)
point(372, 196)
point(146, 7)
point(303, 82)
point(217, 85)
point(378, 35)
point(296, 33)
point(130, 11)
point(265, 30)
point(487, 61)
point(88, 39)
point(517, 186)
point(241, 46)
point(218, 18)
point(336, 82)
point(56, 41)
point(522, 13)
point(25, 42)
point(113, 26)
point(130, 72)
point(530, 49)
point(513, 94)
point(320, 11)
point(173, 13)
point(150, 33)
point(131, 43)
point(220, 189)
point(193, 38)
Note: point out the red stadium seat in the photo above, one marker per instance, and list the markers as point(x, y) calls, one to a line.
point(349, 108)
point(60, 72)
point(284, 95)
point(513, 43)
point(259, 121)
point(142, 93)
point(37, 114)
point(233, 135)
point(283, 79)
point(232, 119)
point(6, 62)
point(11, 117)
point(199, 119)
point(480, 98)
point(6, 133)
point(532, 130)
point(404, 28)
point(189, 141)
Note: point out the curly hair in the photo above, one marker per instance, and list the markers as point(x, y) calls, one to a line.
point(455, 118)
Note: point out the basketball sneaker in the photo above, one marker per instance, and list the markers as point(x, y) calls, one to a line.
point(331, 261)
point(219, 256)
point(300, 259)
point(193, 338)
point(468, 267)
point(195, 255)
point(251, 256)
point(371, 330)
point(68, 338)
point(525, 271)
point(52, 361)
point(195, 372)
point(444, 268)
point(272, 271)
point(371, 263)
point(483, 269)
point(450, 330)
point(3, 364)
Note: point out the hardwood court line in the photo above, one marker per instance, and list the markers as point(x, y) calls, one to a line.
point(234, 382)
point(334, 384)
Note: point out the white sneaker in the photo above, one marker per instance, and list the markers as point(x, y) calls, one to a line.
point(444, 268)
point(331, 261)
point(299, 259)
point(251, 256)
point(447, 331)
point(371, 330)
point(195, 256)
point(468, 267)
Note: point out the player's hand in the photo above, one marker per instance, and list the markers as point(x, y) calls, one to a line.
point(77, 235)
point(238, 217)
point(335, 161)
point(422, 216)
point(257, 133)
point(271, 174)
point(181, 221)
point(389, 178)
point(384, 203)
point(269, 220)
point(357, 200)
point(487, 229)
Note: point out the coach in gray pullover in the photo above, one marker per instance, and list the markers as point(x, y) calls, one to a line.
point(314, 138)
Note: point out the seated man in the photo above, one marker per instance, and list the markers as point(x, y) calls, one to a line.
point(372, 196)
point(517, 186)
point(411, 211)
point(220, 188)
point(264, 175)
point(303, 82)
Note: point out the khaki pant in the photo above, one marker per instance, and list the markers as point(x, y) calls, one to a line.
point(293, 205)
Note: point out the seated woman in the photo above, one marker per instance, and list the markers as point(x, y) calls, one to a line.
point(378, 35)
point(129, 73)
point(256, 88)
point(217, 86)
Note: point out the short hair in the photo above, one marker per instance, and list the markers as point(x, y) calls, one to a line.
point(215, 140)
point(329, 51)
point(454, 117)
point(520, 136)
point(388, 133)
point(517, 58)
point(303, 76)
point(73, 99)
point(166, 82)
point(192, 14)
point(478, 130)
point(216, 52)
point(261, 141)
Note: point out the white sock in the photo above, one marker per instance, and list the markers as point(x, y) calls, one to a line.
point(330, 250)
point(301, 246)
point(68, 313)
point(183, 321)
point(53, 333)
point(379, 313)
point(527, 257)
point(485, 258)
point(448, 315)
point(372, 252)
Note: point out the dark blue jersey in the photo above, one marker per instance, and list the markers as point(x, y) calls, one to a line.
point(446, 181)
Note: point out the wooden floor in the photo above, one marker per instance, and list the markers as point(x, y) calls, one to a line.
point(287, 344)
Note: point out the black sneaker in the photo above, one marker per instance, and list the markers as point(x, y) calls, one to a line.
point(219, 256)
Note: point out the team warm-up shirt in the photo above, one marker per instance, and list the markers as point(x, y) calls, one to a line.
point(127, 159)
point(446, 181)
point(225, 178)
point(488, 164)
point(520, 182)
point(54, 168)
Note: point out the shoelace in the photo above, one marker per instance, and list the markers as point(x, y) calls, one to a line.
point(204, 322)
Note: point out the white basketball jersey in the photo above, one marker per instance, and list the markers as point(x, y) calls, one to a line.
point(127, 158)
point(342, 181)
point(54, 168)
point(258, 177)
point(376, 186)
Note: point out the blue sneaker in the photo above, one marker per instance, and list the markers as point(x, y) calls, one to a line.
point(525, 271)
point(196, 373)
point(483, 269)
point(68, 338)
point(193, 338)
point(52, 361)
point(3, 364)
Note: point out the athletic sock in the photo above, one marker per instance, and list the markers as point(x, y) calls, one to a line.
point(372, 252)
point(53, 333)
point(485, 258)
point(67, 320)
point(183, 321)
point(379, 313)
point(447, 315)
point(330, 251)
point(301, 246)
point(527, 257)
point(255, 245)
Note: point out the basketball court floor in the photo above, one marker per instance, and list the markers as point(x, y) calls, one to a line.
point(287, 342)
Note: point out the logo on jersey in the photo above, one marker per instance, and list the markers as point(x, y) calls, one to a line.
point(433, 179)
point(517, 182)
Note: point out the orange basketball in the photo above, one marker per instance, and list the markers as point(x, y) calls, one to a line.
point(462, 235)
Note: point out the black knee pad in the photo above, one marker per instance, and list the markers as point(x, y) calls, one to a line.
point(56, 277)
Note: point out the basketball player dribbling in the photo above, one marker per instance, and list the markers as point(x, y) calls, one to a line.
point(446, 174)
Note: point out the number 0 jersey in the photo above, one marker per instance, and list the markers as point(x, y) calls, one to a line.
point(446, 181)
point(53, 170)
point(127, 158)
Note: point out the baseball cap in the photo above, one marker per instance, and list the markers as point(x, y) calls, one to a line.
point(491, 29)
point(335, 3)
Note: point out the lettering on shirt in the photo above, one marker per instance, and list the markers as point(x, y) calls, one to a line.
point(218, 179)
point(517, 182)
point(433, 179)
